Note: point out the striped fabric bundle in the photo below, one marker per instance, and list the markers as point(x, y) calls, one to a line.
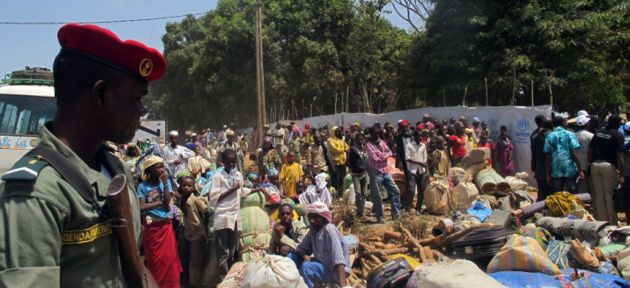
point(522, 254)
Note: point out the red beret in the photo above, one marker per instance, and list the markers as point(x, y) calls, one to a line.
point(129, 56)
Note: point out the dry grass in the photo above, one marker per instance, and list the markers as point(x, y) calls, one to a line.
point(419, 225)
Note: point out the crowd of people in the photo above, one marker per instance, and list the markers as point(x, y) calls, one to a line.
point(309, 166)
point(291, 166)
point(588, 155)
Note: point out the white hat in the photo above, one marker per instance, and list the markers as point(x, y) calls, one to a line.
point(173, 133)
point(582, 120)
point(582, 113)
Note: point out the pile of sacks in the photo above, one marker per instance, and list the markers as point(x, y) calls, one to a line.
point(476, 181)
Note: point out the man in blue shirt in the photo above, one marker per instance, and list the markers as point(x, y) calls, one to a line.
point(563, 165)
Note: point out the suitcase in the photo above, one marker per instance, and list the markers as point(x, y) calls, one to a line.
point(481, 245)
point(501, 218)
point(392, 274)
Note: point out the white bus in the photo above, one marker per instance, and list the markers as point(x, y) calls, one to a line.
point(27, 101)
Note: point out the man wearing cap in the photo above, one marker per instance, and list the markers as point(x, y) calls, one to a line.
point(606, 158)
point(53, 233)
point(231, 144)
point(584, 138)
point(175, 155)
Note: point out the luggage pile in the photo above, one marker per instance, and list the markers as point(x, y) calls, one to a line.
point(492, 228)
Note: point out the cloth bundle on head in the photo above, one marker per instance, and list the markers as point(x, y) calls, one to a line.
point(321, 209)
point(582, 113)
point(272, 172)
point(148, 162)
point(183, 174)
point(582, 120)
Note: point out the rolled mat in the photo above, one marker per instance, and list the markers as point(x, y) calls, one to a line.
point(530, 210)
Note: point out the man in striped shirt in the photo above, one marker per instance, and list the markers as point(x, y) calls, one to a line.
point(322, 257)
point(378, 152)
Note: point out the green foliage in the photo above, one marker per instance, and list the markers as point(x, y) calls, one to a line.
point(580, 48)
point(315, 51)
point(321, 54)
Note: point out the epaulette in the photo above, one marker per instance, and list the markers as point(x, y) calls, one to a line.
point(25, 169)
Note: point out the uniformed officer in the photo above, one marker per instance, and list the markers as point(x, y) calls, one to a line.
point(53, 234)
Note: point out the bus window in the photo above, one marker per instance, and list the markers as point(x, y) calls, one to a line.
point(24, 115)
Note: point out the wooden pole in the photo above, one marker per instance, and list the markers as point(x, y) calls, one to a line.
point(260, 88)
point(262, 66)
point(531, 87)
point(550, 95)
point(485, 79)
point(347, 98)
point(465, 93)
point(513, 86)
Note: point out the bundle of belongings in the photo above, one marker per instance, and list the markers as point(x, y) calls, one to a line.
point(492, 228)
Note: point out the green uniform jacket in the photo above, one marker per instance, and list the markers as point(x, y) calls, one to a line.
point(49, 235)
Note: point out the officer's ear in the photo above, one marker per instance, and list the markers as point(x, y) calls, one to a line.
point(98, 92)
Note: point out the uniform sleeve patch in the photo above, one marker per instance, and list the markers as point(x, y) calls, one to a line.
point(25, 169)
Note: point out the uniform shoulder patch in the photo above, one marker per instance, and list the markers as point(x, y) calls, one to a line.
point(25, 169)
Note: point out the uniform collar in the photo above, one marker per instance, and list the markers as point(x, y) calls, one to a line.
point(47, 138)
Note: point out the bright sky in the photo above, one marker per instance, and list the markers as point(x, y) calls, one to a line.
point(36, 45)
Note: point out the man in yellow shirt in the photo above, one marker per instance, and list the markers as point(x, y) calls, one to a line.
point(338, 149)
point(291, 175)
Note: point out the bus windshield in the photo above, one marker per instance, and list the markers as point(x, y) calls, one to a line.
point(24, 115)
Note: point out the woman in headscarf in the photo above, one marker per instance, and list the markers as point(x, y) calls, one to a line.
point(158, 237)
point(330, 262)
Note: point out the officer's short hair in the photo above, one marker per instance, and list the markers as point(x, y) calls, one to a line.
point(73, 73)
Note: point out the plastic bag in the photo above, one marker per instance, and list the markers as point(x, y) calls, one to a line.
point(595, 280)
point(520, 279)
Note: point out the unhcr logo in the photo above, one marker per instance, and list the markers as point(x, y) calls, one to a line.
point(522, 125)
